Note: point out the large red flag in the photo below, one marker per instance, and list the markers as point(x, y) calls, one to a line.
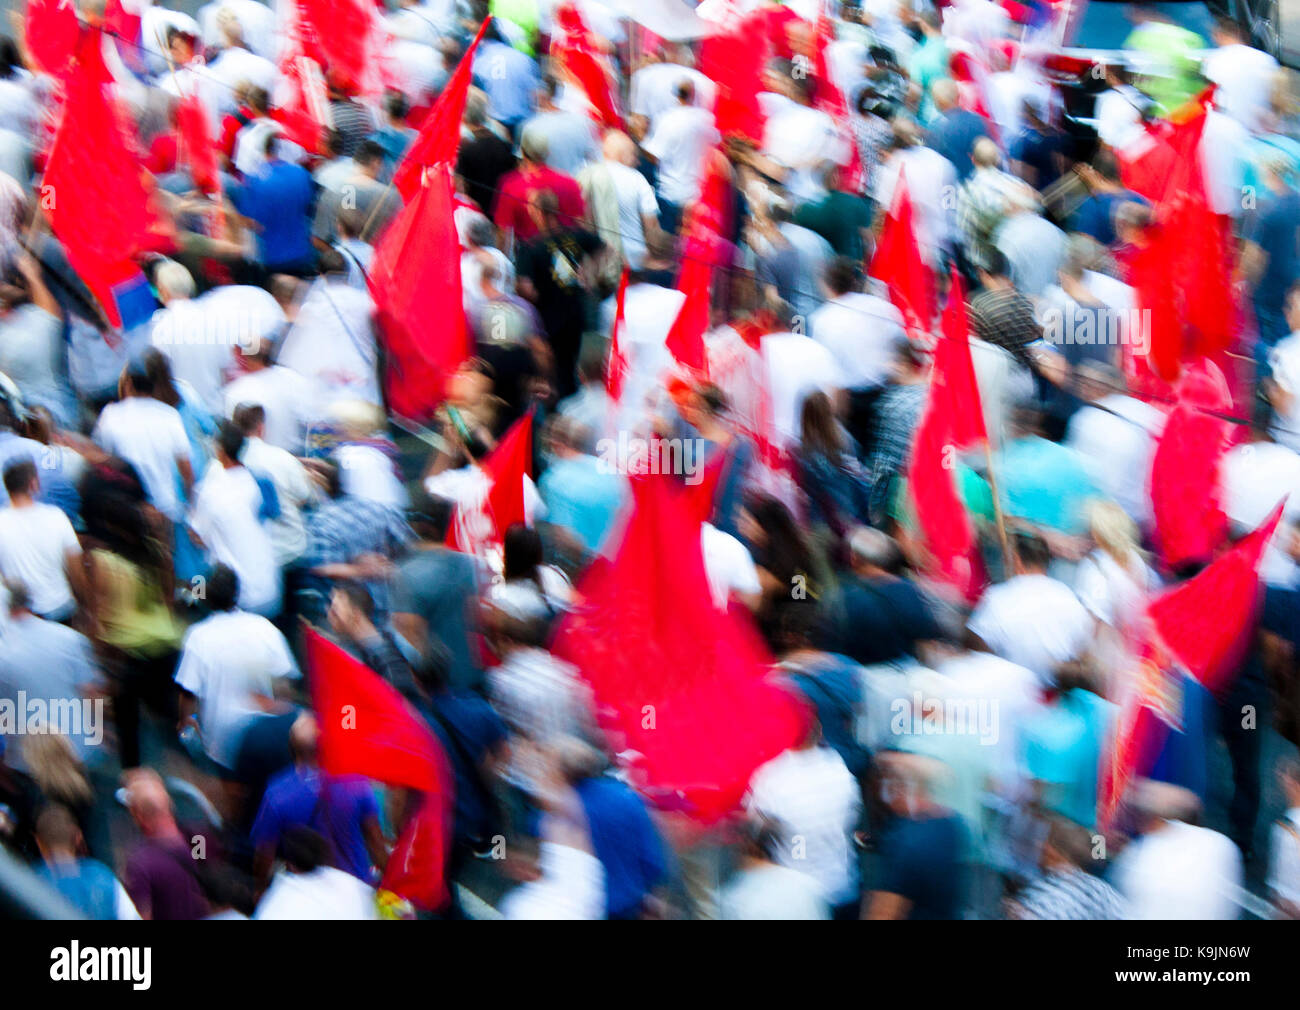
point(93, 191)
point(616, 366)
point(51, 32)
point(1199, 629)
point(480, 525)
point(1205, 620)
point(685, 339)
point(367, 728)
point(1185, 493)
point(941, 518)
point(734, 59)
point(1184, 274)
point(338, 35)
point(304, 113)
point(898, 263)
point(416, 283)
point(439, 137)
point(954, 372)
point(197, 147)
point(678, 684)
point(576, 55)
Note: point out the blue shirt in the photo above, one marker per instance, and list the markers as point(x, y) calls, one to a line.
point(1277, 232)
point(88, 886)
point(924, 861)
point(280, 200)
point(510, 79)
point(581, 498)
point(469, 729)
point(1045, 483)
point(953, 134)
point(1063, 750)
point(625, 841)
point(294, 797)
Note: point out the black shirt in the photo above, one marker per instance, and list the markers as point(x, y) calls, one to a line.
point(484, 159)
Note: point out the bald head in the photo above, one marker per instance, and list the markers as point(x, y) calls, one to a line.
point(943, 93)
point(985, 153)
point(148, 802)
point(618, 146)
point(303, 737)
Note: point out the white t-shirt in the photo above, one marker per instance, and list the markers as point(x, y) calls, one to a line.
point(772, 892)
point(226, 659)
point(234, 65)
point(332, 343)
point(34, 544)
point(366, 472)
point(227, 503)
point(653, 90)
point(1034, 621)
point(728, 565)
point(1179, 873)
point(1254, 478)
point(1114, 594)
point(796, 366)
point(681, 136)
point(931, 183)
point(802, 139)
point(149, 435)
point(325, 893)
point(283, 394)
point(1117, 443)
point(1284, 360)
point(636, 201)
point(1244, 76)
point(861, 332)
point(814, 797)
point(293, 488)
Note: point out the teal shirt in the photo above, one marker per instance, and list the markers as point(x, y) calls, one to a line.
point(582, 498)
point(1062, 746)
point(1045, 483)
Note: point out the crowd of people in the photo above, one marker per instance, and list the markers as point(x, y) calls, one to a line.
point(188, 492)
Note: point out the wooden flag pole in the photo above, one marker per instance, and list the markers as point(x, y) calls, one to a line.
point(1008, 556)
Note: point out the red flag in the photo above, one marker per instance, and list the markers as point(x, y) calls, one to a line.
point(954, 372)
point(576, 55)
point(439, 137)
point(197, 146)
point(1185, 493)
point(1204, 621)
point(367, 728)
point(734, 59)
point(616, 366)
point(898, 263)
point(337, 34)
point(305, 113)
point(677, 683)
point(1200, 628)
point(685, 339)
point(93, 190)
point(51, 31)
point(416, 283)
point(1184, 277)
point(481, 525)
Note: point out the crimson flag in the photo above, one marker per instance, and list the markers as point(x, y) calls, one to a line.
point(305, 113)
point(1185, 495)
point(439, 137)
point(677, 684)
point(51, 32)
point(196, 143)
point(93, 191)
point(898, 263)
point(685, 339)
point(416, 283)
point(337, 35)
point(576, 55)
point(954, 372)
point(367, 728)
point(734, 59)
point(480, 525)
point(617, 365)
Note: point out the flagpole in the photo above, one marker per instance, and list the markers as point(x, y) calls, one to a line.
point(1008, 558)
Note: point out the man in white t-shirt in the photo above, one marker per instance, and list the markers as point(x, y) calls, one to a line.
point(230, 665)
point(796, 366)
point(293, 488)
point(38, 547)
point(682, 135)
point(149, 435)
point(1176, 871)
point(1031, 620)
point(654, 90)
point(860, 330)
point(1255, 477)
point(616, 175)
point(283, 394)
point(1243, 75)
point(229, 507)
